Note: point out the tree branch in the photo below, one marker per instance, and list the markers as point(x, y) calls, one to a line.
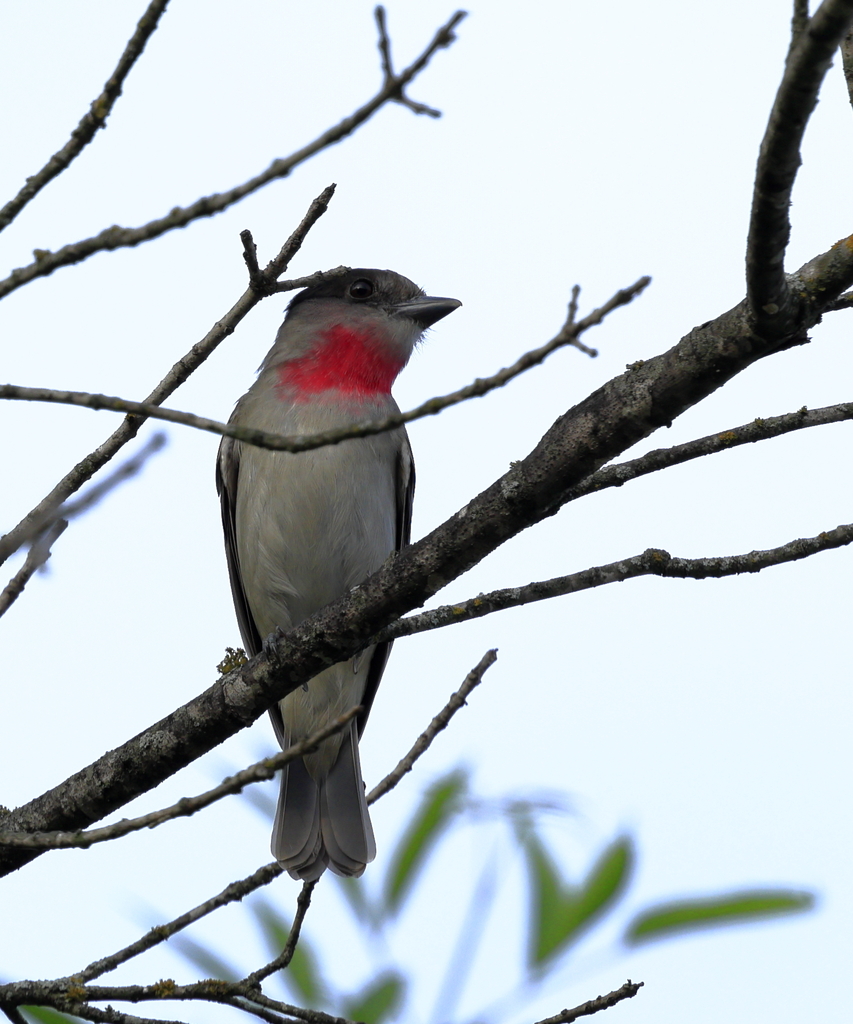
point(232, 893)
point(441, 721)
point(118, 238)
point(614, 417)
point(262, 771)
point(34, 521)
point(627, 991)
point(94, 118)
point(759, 429)
point(303, 902)
point(652, 562)
point(36, 558)
point(568, 335)
point(771, 302)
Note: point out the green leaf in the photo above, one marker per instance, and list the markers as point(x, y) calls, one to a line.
point(729, 908)
point(44, 1015)
point(560, 913)
point(354, 892)
point(302, 974)
point(377, 1002)
point(440, 803)
point(209, 963)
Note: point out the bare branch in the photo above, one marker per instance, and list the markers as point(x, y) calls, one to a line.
point(440, 722)
point(38, 555)
point(843, 301)
point(649, 394)
point(259, 772)
point(768, 294)
point(232, 893)
point(303, 902)
point(182, 369)
point(759, 429)
point(799, 21)
point(568, 335)
point(847, 62)
point(652, 562)
point(112, 1016)
point(118, 238)
point(627, 991)
point(388, 68)
point(94, 118)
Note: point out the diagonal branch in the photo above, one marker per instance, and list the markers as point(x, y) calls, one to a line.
point(388, 68)
point(568, 335)
point(262, 771)
point(303, 902)
point(770, 300)
point(759, 429)
point(441, 721)
point(120, 238)
point(35, 520)
point(627, 991)
point(623, 411)
point(94, 118)
point(232, 893)
point(36, 558)
point(652, 562)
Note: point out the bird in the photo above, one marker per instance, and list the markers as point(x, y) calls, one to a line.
point(302, 529)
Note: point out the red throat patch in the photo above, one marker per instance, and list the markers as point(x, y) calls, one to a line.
point(356, 363)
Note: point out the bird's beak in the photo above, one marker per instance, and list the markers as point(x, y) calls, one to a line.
point(427, 310)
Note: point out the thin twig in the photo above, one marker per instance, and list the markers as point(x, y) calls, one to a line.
point(232, 893)
point(652, 562)
point(186, 806)
point(844, 301)
point(760, 429)
point(250, 255)
point(384, 45)
point(37, 556)
point(441, 721)
point(94, 118)
point(84, 470)
point(768, 293)
point(303, 902)
point(47, 262)
point(627, 991)
point(568, 335)
point(37, 526)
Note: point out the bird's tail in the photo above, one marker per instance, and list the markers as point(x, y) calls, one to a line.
point(324, 823)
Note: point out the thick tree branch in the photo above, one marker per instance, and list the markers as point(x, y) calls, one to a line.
point(652, 562)
point(118, 238)
point(94, 118)
point(44, 512)
point(772, 303)
point(847, 62)
point(568, 335)
point(620, 413)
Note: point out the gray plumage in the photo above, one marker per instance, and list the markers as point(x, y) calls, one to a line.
point(302, 529)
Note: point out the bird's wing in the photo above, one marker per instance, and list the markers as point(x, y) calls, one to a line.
point(227, 471)
point(404, 471)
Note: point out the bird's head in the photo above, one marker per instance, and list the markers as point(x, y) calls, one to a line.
point(353, 333)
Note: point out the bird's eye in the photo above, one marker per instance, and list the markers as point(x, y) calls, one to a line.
point(361, 289)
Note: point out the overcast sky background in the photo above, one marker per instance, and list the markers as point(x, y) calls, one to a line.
point(588, 143)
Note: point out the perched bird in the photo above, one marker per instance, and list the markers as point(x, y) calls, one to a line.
point(302, 528)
